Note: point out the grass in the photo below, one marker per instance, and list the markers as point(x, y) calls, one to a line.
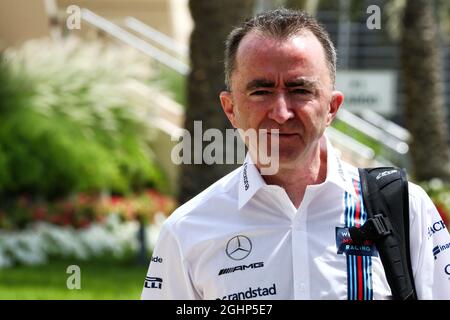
point(99, 280)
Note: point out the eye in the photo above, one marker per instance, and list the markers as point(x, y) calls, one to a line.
point(260, 93)
point(301, 91)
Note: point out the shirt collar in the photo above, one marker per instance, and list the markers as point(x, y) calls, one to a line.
point(251, 181)
point(335, 170)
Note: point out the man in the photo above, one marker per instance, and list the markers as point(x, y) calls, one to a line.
point(256, 236)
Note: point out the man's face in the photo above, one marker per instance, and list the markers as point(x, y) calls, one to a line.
point(285, 85)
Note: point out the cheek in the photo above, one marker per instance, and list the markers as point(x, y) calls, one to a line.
point(249, 116)
point(321, 119)
point(313, 117)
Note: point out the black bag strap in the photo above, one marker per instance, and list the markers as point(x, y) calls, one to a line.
point(385, 196)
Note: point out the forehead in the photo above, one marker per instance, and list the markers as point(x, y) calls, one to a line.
point(261, 55)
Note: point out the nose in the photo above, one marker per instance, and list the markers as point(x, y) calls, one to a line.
point(281, 110)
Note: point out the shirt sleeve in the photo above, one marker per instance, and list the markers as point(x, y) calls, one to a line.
point(430, 247)
point(168, 277)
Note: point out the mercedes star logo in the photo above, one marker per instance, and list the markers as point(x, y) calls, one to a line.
point(239, 247)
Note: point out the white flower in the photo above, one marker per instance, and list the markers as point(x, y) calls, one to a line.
point(35, 244)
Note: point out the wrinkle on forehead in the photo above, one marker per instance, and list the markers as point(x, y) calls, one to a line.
point(308, 53)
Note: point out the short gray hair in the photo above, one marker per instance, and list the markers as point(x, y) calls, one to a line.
point(279, 23)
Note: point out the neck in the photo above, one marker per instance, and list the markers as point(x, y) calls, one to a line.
point(311, 169)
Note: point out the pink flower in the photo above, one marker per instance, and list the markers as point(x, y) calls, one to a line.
point(39, 213)
point(115, 200)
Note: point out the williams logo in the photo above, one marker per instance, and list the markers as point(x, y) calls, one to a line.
point(242, 268)
point(238, 247)
point(153, 283)
point(344, 244)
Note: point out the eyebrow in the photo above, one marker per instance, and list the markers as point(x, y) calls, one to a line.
point(265, 83)
point(260, 83)
point(302, 82)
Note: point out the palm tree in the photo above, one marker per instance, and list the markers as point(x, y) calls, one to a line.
point(213, 21)
point(423, 84)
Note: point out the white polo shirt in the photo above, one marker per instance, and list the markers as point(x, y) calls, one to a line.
point(244, 239)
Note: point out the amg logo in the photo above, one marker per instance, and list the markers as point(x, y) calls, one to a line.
point(241, 268)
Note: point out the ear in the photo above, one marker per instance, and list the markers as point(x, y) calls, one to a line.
point(228, 107)
point(337, 98)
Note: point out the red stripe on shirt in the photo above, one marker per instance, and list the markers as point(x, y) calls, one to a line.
point(360, 278)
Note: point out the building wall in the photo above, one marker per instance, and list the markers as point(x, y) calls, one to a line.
point(171, 17)
point(21, 20)
point(26, 19)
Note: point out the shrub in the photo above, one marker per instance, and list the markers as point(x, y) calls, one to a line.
point(81, 210)
point(68, 124)
point(43, 241)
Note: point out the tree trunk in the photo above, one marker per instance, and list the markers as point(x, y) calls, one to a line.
point(213, 21)
point(422, 78)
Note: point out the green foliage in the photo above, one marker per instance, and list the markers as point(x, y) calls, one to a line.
point(69, 123)
point(81, 210)
point(358, 136)
point(393, 14)
point(172, 82)
point(439, 192)
point(100, 279)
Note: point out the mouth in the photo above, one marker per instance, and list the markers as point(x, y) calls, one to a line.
point(283, 138)
point(282, 134)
